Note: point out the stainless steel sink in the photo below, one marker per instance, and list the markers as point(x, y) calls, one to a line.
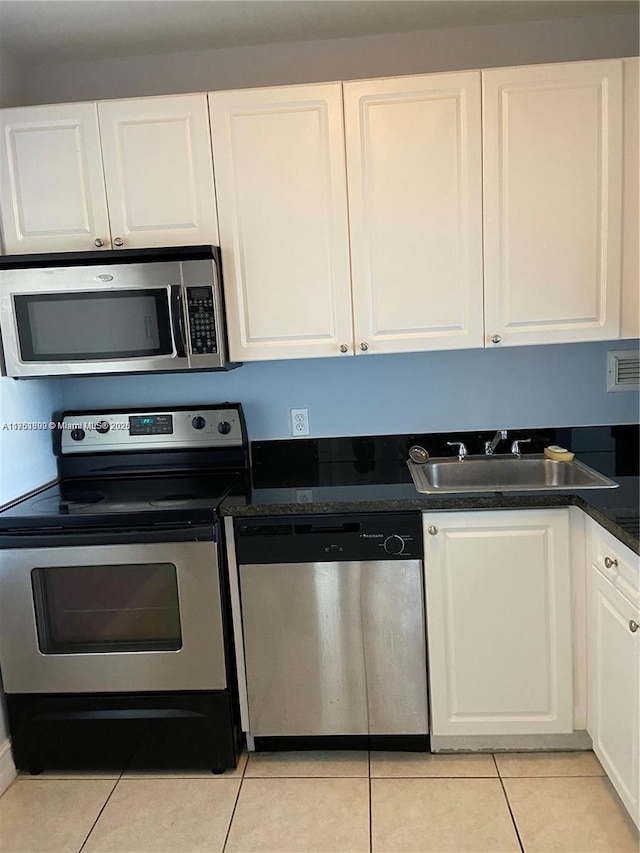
point(504, 474)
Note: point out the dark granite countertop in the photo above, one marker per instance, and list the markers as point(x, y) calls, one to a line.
point(323, 476)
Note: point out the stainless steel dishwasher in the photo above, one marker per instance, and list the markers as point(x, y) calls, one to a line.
point(334, 633)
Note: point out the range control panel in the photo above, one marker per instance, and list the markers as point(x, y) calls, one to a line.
point(153, 429)
point(329, 538)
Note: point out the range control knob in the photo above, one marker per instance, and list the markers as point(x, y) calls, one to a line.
point(77, 434)
point(224, 427)
point(393, 544)
point(198, 422)
point(102, 427)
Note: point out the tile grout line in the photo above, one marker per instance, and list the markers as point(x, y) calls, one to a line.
point(99, 815)
point(235, 805)
point(506, 797)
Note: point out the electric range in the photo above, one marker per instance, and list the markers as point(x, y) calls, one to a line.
point(114, 603)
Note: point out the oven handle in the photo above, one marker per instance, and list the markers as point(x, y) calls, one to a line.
point(108, 536)
point(177, 321)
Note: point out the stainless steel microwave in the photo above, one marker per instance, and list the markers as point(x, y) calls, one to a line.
point(131, 311)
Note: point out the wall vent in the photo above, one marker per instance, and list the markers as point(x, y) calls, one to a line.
point(623, 370)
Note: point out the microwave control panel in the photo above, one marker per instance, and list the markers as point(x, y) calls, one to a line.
point(202, 320)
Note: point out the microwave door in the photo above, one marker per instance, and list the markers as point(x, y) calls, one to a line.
point(135, 329)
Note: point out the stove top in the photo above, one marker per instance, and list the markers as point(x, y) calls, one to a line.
point(133, 468)
point(143, 500)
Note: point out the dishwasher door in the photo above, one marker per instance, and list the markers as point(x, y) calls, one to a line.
point(335, 648)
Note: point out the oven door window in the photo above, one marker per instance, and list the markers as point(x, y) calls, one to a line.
point(107, 324)
point(121, 608)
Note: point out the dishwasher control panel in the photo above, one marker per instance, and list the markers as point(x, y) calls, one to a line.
point(329, 538)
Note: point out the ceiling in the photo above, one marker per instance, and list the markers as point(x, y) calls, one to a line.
point(51, 31)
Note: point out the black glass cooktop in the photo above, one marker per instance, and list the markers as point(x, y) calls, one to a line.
point(100, 500)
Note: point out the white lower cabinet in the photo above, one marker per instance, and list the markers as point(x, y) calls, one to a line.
point(498, 597)
point(614, 665)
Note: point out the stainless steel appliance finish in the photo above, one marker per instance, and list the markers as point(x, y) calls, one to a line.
point(110, 578)
point(93, 432)
point(194, 662)
point(448, 475)
point(114, 623)
point(335, 645)
point(112, 312)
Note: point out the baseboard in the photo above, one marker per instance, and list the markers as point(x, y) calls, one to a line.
point(496, 743)
point(7, 768)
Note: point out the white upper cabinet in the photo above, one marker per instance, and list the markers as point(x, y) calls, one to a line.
point(155, 189)
point(158, 171)
point(415, 209)
point(631, 203)
point(498, 597)
point(552, 202)
point(52, 195)
point(281, 183)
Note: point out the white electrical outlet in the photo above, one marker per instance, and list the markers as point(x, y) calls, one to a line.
point(299, 421)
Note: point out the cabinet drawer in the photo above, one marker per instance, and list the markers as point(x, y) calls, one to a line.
point(616, 562)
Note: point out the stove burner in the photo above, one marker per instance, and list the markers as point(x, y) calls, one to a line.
point(61, 504)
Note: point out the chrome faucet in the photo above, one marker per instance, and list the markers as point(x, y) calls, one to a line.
point(515, 447)
point(462, 449)
point(490, 446)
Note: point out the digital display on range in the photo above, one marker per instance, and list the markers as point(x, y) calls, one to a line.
point(150, 424)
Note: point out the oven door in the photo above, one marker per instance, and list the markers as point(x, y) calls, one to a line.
point(111, 618)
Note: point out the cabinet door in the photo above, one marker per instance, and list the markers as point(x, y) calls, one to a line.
point(52, 196)
point(630, 319)
point(159, 171)
point(415, 209)
point(552, 199)
point(498, 593)
point(280, 175)
point(614, 688)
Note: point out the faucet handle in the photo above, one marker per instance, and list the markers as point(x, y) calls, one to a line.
point(515, 447)
point(462, 448)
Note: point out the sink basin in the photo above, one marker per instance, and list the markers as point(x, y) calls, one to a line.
point(504, 474)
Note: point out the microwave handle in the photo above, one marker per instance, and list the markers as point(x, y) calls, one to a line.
point(177, 321)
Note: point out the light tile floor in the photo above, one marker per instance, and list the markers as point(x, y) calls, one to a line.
point(343, 802)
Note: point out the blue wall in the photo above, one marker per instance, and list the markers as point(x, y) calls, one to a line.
point(26, 460)
point(560, 385)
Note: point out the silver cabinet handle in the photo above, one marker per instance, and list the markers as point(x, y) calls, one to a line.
point(633, 626)
point(98, 243)
point(432, 529)
point(495, 339)
point(609, 562)
point(344, 348)
point(118, 242)
point(364, 346)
